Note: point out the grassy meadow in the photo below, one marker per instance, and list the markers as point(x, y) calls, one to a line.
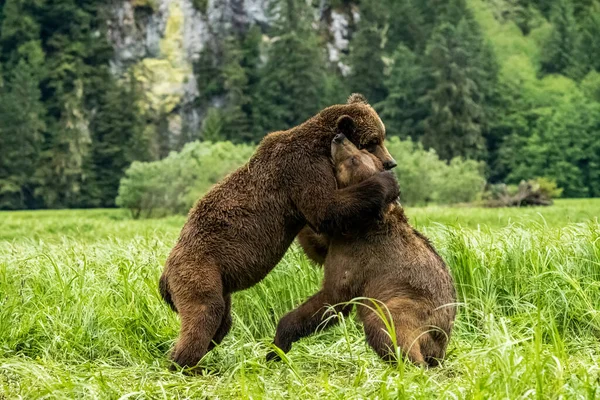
point(81, 317)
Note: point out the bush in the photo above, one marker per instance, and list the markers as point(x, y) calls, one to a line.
point(173, 185)
point(424, 178)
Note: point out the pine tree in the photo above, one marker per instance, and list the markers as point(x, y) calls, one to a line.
point(77, 67)
point(21, 112)
point(589, 45)
point(366, 54)
point(402, 111)
point(405, 25)
point(453, 127)
point(236, 124)
point(21, 127)
point(117, 140)
point(293, 79)
point(560, 50)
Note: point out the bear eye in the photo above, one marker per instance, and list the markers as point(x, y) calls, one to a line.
point(371, 147)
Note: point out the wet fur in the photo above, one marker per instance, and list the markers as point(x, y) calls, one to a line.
point(239, 231)
point(392, 263)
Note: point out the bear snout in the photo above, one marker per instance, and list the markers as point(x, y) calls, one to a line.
point(339, 138)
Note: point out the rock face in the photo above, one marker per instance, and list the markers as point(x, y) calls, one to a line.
point(159, 40)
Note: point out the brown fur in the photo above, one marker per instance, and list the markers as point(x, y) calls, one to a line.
point(239, 231)
point(391, 263)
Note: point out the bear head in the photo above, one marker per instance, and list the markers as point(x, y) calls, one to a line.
point(360, 123)
point(351, 164)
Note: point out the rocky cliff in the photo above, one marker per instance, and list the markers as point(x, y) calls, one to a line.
point(159, 41)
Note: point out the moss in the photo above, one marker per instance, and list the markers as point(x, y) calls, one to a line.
point(200, 5)
point(162, 78)
point(145, 4)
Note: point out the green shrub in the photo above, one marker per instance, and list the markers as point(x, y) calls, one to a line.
point(424, 178)
point(547, 187)
point(172, 185)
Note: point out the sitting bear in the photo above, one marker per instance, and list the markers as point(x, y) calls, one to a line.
point(238, 232)
point(390, 263)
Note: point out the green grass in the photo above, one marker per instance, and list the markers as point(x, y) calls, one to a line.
point(80, 313)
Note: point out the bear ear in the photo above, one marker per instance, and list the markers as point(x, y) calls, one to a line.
point(357, 98)
point(345, 125)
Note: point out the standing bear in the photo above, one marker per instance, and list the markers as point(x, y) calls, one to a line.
point(239, 231)
point(388, 262)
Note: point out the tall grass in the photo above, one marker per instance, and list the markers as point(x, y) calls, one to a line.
point(80, 314)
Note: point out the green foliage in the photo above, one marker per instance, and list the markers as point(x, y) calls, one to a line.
point(402, 109)
point(366, 54)
point(564, 146)
point(424, 178)
point(589, 45)
point(590, 86)
point(118, 140)
point(21, 127)
point(547, 186)
point(212, 126)
point(200, 5)
point(559, 51)
point(453, 126)
point(173, 184)
point(295, 68)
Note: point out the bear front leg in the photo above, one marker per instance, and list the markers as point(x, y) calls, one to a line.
point(315, 245)
point(331, 210)
point(305, 320)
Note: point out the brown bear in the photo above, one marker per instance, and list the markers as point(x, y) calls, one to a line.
point(390, 263)
point(239, 231)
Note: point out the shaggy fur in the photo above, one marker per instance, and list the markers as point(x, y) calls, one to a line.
point(392, 263)
point(239, 231)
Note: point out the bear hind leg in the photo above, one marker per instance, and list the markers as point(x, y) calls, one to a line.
point(201, 307)
point(225, 325)
point(406, 329)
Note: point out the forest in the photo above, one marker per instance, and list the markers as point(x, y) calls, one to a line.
point(509, 88)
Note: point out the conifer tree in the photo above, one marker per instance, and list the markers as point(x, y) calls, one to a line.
point(402, 111)
point(117, 140)
point(21, 111)
point(293, 79)
point(366, 54)
point(77, 65)
point(589, 43)
point(560, 50)
point(21, 128)
point(453, 127)
point(236, 123)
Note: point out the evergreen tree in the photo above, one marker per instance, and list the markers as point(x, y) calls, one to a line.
point(563, 146)
point(293, 79)
point(21, 112)
point(236, 124)
point(405, 25)
point(560, 50)
point(402, 111)
point(366, 54)
point(77, 65)
point(21, 127)
point(117, 140)
point(454, 125)
point(589, 45)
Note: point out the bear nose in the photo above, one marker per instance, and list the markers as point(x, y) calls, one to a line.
point(339, 138)
point(389, 164)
